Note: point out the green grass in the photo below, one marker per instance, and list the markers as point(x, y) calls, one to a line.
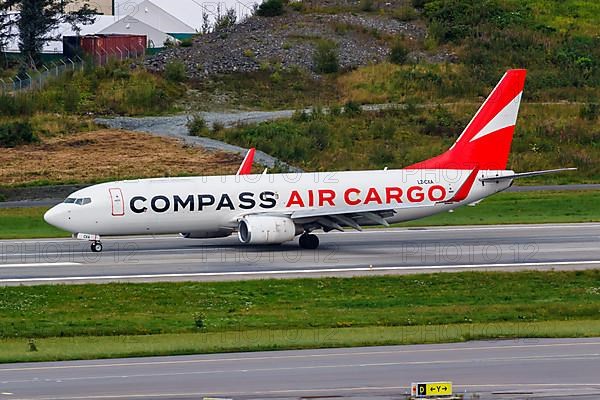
point(138, 309)
point(503, 208)
point(547, 136)
point(26, 223)
point(96, 347)
point(111, 89)
point(523, 208)
point(86, 321)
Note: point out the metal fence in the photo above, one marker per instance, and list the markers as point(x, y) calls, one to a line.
point(37, 78)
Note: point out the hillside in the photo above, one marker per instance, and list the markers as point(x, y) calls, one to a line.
point(436, 59)
point(433, 60)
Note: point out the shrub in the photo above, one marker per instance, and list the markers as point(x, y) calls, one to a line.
point(398, 53)
point(19, 104)
point(366, 5)
point(326, 57)
point(197, 126)
point(382, 158)
point(71, 98)
point(217, 126)
point(270, 8)
point(175, 71)
point(406, 13)
point(441, 123)
point(352, 108)
point(319, 132)
point(187, 42)
point(226, 20)
point(16, 133)
point(199, 320)
point(590, 111)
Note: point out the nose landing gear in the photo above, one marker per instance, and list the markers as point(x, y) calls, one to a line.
point(96, 247)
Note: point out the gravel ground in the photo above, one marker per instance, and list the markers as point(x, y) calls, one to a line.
point(175, 126)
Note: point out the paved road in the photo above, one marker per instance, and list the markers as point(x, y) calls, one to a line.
point(376, 251)
point(514, 369)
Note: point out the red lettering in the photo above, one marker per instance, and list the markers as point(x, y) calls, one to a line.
point(373, 196)
point(326, 196)
point(440, 189)
point(393, 193)
point(417, 197)
point(311, 198)
point(348, 200)
point(295, 199)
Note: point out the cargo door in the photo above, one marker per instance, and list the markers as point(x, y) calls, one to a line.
point(117, 202)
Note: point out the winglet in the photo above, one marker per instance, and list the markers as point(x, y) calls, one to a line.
point(246, 167)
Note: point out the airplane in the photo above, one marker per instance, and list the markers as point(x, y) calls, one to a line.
point(277, 208)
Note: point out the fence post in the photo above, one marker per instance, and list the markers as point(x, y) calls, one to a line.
point(120, 53)
point(54, 67)
point(45, 74)
point(3, 86)
point(31, 83)
point(80, 62)
point(20, 82)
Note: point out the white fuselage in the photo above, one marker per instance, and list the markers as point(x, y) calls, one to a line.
point(212, 206)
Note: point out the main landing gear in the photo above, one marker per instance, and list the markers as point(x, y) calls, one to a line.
point(309, 241)
point(96, 247)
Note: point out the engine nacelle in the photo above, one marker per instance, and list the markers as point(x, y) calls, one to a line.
point(221, 233)
point(267, 229)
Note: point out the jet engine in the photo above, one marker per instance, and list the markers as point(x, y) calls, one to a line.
point(267, 229)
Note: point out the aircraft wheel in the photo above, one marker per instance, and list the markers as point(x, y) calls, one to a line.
point(309, 241)
point(96, 247)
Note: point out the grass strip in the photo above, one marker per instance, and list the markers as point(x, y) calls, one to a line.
point(93, 347)
point(504, 208)
point(199, 307)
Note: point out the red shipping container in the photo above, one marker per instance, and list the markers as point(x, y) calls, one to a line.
point(113, 45)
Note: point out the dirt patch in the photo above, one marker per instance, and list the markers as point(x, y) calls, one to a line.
point(106, 155)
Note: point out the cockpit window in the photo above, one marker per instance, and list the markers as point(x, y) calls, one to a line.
point(80, 202)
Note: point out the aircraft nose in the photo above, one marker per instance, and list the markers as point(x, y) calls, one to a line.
point(56, 217)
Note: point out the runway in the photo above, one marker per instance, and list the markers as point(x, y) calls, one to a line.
point(375, 251)
point(511, 369)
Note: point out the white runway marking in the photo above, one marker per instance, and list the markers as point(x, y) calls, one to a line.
point(296, 272)
point(34, 265)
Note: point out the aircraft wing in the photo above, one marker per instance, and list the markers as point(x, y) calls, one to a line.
point(330, 220)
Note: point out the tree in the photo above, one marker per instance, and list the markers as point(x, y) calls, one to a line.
point(205, 23)
point(270, 8)
point(226, 20)
point(37, 19)
point(6, 28)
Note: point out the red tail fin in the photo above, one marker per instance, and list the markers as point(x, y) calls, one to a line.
point(485, 142)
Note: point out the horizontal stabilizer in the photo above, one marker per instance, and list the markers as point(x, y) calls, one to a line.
point(525, 174)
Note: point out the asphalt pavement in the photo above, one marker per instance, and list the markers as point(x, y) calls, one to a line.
point(374, 251)
point(510, 369)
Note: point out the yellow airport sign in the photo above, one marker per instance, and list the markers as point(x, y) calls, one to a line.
point(431, 389)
